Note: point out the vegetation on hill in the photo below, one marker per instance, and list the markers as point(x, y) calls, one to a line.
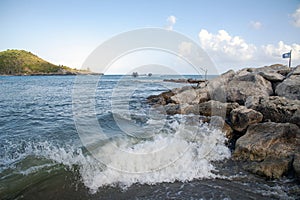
point(20, 62)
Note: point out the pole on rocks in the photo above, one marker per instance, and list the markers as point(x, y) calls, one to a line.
point(290, 60)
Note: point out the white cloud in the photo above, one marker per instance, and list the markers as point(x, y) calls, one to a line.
point(234, 52)
point(276, 51)
point(296, 17)
point(171, 20)
point(256, 24)
point(225, 46)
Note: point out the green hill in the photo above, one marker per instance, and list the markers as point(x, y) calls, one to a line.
point(20, 62)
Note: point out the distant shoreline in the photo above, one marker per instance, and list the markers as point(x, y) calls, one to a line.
point(53, 74)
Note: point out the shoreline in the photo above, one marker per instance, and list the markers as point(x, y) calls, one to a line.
point(53, 74)
point(258, 110)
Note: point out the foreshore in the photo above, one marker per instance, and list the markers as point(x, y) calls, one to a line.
point(258, 110)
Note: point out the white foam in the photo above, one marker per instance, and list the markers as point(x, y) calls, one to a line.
point(181, 156)
point(166, 158)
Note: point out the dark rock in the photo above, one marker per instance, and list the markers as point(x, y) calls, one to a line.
point(161, 99)
point(172, 109)
point(275, 108)
point(296, 164)
point(242, 117)
point(295, 119)
point(270, 146)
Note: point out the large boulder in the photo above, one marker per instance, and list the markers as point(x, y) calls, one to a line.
point(269, 148)
point(210, 108)
point(216, 87)
point(242, 117)
point(275, 108)
point(289, 88)
point(241, 87)
point(191, 96)
point(276, 68)
point(272, 76)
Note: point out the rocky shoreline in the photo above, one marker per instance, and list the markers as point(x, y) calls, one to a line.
point(258, 110)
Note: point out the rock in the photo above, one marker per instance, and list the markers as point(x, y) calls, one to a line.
point(296, 164)
point(221, 80)
point(295, 71)
point(269, 148)
point(270, 168)
point(172, 109)
point(289, 88)
point(275, 108)
point(296, 117)
point(242, 117)
point(216, 87)
point(191, 96)
point(219, 123)
point(241, 87)
point(161, 99)
point(210, 108)
point(277, 68)
point(272, 76)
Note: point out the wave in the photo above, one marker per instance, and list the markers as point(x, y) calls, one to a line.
point(183, 154)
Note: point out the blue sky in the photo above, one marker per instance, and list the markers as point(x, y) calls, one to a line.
point(234, 33)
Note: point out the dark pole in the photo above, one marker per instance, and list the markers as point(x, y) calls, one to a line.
point(290, 61)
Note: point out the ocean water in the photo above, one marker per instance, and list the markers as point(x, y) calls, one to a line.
point(56, 144)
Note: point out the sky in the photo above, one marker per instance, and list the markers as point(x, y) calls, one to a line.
point(234, 33)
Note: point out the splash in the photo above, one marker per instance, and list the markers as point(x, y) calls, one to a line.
point(197, 152)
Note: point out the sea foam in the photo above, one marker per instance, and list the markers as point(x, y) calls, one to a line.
point(183, 155)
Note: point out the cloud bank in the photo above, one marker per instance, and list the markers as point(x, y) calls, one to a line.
point(229, 51)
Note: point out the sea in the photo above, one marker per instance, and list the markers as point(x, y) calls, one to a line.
point(97, 137)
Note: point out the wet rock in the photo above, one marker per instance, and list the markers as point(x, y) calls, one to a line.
point(161, 99)
point(242, 117)
point(269, 148)
point(172, 109)
point(241, 87)
point(289, 88)
point(270, 168)
point(219, 123)
point(275, 108)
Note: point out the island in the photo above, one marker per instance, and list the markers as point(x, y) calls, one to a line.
point(23, 63)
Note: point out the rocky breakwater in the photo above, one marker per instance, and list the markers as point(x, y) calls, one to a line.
point(257, 108)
